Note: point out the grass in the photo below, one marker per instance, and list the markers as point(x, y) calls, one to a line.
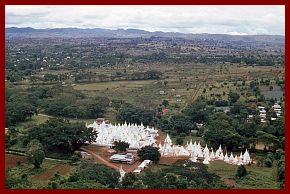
point(113, 85)
point(33, 121)
point(258, 177)
point(275, 93)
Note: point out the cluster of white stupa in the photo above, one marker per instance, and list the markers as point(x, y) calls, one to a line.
point(136, 135)
point(196, 151)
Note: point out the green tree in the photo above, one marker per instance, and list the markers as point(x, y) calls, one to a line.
point(89, 171)
point(165, 83)
point(271, 88)
point(149, 153)
point(165, 103)
point(181, 123)
point(61, 135)
point(120, 146)
point(35, 153)
point(281, 171)
point(129, 180)
point(241, 171)
point(179, 140)
point(233, 97)
point(135, 115)
point(17, 111)
point(16, 180)
point(268, 162)
point(197, 111)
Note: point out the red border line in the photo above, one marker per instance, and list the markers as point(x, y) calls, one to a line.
point(140, 2)
point(145, 2)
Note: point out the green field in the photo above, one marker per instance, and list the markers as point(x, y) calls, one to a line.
point(258, 177)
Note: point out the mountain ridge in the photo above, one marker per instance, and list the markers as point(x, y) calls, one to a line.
point(132, 33)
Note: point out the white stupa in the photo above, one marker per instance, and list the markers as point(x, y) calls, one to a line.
point(206, 150)
point(246, 157)
point(199, 153)
point(122, 174)
point(226, 158)
point(235, 160)
point(206, 160)
point(136, 135)
point(212, 155)
point(231, 158)
point(221, 156)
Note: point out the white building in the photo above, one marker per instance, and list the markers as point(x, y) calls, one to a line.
point(198, 153)
point(136, 135)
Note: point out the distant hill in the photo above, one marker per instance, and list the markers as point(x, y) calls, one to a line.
point(134, 33)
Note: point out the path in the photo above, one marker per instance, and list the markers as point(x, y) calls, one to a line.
point(99, 158)
point(45, 115)
point(23, 154)
point(106, 161)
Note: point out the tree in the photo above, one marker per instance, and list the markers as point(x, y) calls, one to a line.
point(135, 115)
point(164, 124)
point(165, 83)
point(17, 111)
point(266, 138)
point(16, 180)
point(180, 123)
point(179, 140)
point(149, 153)
point(241, 171)
point(128, 180)
point(281, 171)
point(271, 88)
point(89, 171)
point(61, 135)
point(35, 153)
point(197, 111)
point(95, 109)
point(222, 130)
point(10, 137)
point(165, 103)
point(139, 185)
point(120, 146)
point(233, 97)
point(268, 162)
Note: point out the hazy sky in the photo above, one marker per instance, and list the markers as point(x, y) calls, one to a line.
point(241, 19)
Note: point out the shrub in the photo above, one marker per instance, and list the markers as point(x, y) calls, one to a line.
point(268, 162)
point(241, 172)
point(179, 140)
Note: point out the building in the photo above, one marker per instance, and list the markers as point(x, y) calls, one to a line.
point(123, 158)
point(136, 135)
point(86, 155)
point(100, 120)
point(225, 109)
point(277, 109)
point(142, 166)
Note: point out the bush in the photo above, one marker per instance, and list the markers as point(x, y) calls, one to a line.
point(179, 140)
point(241, 172)
point(120, 146)
point(52, 185)
point(149, 153)
point(75, 158)
point(268, 162)
point(271, 156)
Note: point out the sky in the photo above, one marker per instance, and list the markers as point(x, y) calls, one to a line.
point(214, 19)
